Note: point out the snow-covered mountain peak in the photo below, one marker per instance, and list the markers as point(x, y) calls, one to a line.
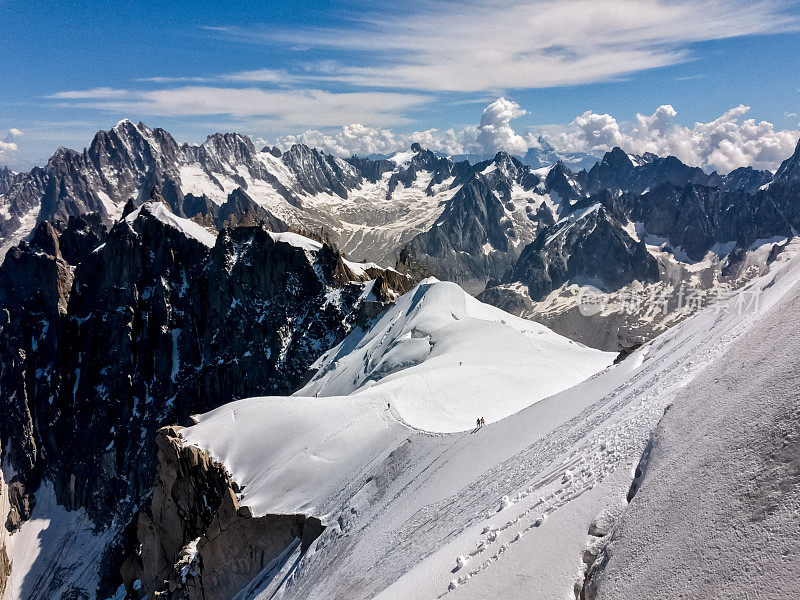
point(443, 359)
point(230, 145)
point(429, 515)
point(162, 213)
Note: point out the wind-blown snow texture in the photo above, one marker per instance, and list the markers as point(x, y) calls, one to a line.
point(716, 513)
point(502, 512)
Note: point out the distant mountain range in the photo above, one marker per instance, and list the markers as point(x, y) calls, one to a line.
point(144, 281)
point(515, 233)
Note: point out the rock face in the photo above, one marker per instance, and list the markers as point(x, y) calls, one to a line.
point(657, 229)
point(617, 172)
point(789, 171)
point(6, 179)
point(195, 541)
point(318, 172)
point(590, 245)
point(477, 235)
point(453, 248)
point(102, 343)
point(5, 561)
point(112, 328)
point(129, 160)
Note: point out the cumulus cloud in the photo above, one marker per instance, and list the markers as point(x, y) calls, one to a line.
point(723, 144)
point(8, 147)
point(8, 151)
point(492, 134)
point(495, 132)
point(364, 141)
point(351, 139)
point(593, 133)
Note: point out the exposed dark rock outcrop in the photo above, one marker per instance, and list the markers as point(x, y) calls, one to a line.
point(371, 170)
point(567, 185)
point(617, 173)
point(194, 541)
point(240, 209)
point(457, 247)
point(789, 171)
point(590, 245)
point(746, 179)
point(102, 343)
point(6, 179)
point(319, 172)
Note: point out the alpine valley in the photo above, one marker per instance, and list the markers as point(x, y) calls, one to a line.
point(239, 372)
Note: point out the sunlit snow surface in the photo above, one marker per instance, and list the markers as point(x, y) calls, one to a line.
point(197, 232)
point(188, 227)
point(55, 553)
point(442, 359)
point(502, 512)
point(436, 361)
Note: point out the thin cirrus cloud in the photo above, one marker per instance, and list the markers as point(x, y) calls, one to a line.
point(395, 63)
point(299, 107)
point(255, 76)
point(487, 45)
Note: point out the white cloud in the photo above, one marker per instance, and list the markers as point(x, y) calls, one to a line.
point(99, 93)
point(8, 152)
point(259, 75)
point(495, 132)
point(180, 79)
point(473, 45)
point(363, 141)
point(593, 133)
point(351, 139)
point(289, 107)
point(723, 144)
point(8, 147)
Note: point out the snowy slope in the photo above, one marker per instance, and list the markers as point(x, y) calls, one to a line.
point(438, 356)
point(514, 500)
point(750, 486)
point(55, 553)
point(442, 359)
point(186, 226)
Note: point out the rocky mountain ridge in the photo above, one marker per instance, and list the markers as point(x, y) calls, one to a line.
point(479, 225)
point(108, 335)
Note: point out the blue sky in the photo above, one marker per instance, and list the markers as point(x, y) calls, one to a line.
point(277, 68)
